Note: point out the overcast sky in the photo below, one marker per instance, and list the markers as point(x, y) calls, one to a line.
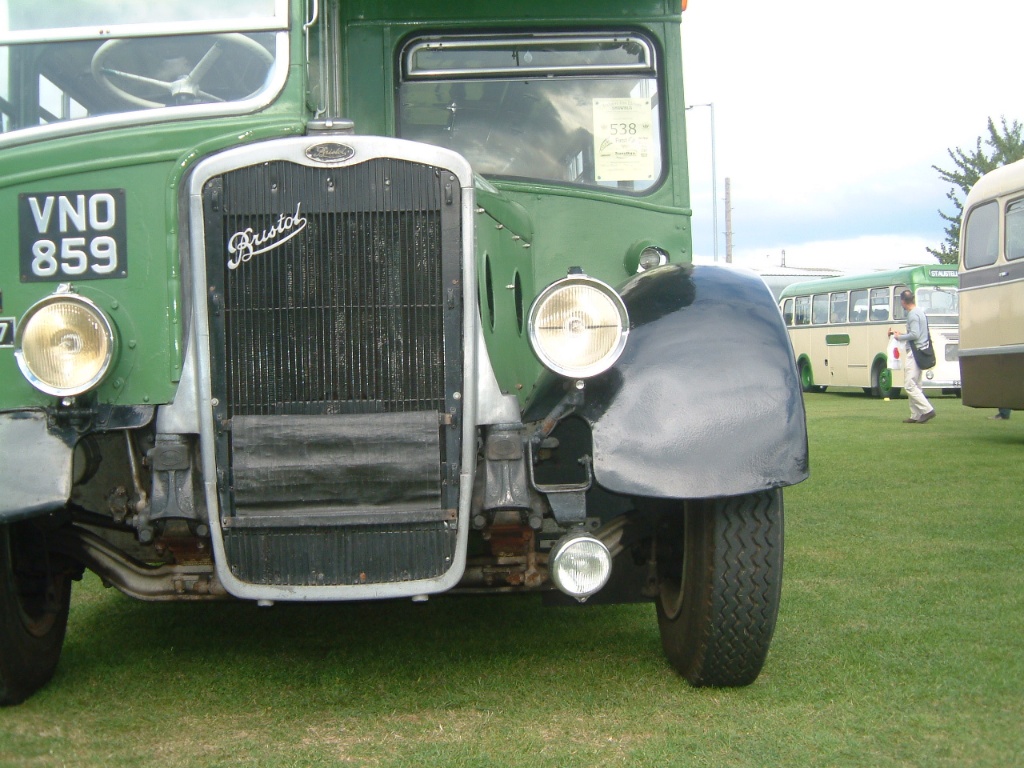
point(829, 116)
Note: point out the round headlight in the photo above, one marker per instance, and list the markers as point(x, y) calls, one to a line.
point(578, 326)
point(580, 565)
point(65, 345)
point(652, 257)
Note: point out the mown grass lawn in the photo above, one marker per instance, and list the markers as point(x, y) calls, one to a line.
point(900, 642)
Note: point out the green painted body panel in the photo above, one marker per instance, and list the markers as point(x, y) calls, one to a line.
point(145, 306)
point(837, 339)
point(587, 230)
point(150, 161)
point(557, 227)
point(528, 233)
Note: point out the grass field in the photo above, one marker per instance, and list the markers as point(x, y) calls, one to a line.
point(900, 643)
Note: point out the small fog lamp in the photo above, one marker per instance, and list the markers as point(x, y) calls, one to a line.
point(651, 257)
point(65, 345)
point(578, 326)
point(580, 565)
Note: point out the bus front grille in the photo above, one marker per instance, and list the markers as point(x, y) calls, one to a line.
point(336, 340)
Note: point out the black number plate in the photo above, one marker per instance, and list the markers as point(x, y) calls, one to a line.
point(6, 331)
point(70, 236)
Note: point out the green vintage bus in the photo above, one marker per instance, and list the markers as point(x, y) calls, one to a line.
point(316, 300)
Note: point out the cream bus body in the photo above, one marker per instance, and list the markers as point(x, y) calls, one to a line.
point(839, 328)
point(992, 290)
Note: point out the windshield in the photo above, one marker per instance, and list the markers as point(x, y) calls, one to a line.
point(60, 65)
point(23, 20)
point(568, 109)
point(937, 301)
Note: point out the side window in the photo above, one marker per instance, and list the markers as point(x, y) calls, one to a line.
point(858, 306)
point(803, 310)
point(1015, 230)
point(879, 311)
point(838, 303)
point(981, 241)
point(898, 313)
point(787, 311)
point(819, 309)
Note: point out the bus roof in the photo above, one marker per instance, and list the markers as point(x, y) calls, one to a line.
point(1004, 180)
point(938, 274)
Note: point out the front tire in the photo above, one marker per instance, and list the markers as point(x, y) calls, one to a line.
point(719, 585)
point(35, 596)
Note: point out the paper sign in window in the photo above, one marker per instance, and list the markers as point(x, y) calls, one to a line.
point(623, 139)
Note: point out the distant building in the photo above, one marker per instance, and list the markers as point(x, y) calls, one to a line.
point(777, 278)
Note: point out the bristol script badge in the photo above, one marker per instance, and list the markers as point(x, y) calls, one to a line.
point(329, 152)
point(246, 243)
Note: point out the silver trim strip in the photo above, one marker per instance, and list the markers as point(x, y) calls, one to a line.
point(999, 283)
point(1010, 349)
point(294, 150)
point(181, 415)
point(468, 42)
point(493, 407)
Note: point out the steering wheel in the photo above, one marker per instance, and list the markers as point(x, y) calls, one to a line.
point(187, 87)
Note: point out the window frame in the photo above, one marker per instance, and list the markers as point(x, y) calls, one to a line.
point(651, 69)
point(883, 293)
point(802, 304)
point(1017, 203)
point(26, 134)
point(853, 301)
point(833, 300)
point(969, 219)
point(819, 309)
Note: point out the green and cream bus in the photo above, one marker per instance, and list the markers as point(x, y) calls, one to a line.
point(323, 300)
point(992, 290)
point(839, 328)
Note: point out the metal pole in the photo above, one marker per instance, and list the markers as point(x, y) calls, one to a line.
point(714, 173)
point(714, 179)
point(728, 222)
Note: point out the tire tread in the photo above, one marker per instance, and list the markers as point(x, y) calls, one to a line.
point(722, 636)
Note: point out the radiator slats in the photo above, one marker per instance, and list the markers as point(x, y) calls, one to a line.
point(334, 335)
point(347, 317)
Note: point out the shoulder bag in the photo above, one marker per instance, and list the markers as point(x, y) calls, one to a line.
point(925, 357)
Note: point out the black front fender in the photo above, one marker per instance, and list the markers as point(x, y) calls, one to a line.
point(705, 399)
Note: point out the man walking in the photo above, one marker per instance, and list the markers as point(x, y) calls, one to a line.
point(917, 332)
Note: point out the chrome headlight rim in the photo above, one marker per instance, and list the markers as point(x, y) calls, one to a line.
point(577, 546)
point(652, 257)
point(64, 295)
point(609, 358)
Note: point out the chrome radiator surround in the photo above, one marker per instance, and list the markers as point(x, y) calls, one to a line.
point(280, 527)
